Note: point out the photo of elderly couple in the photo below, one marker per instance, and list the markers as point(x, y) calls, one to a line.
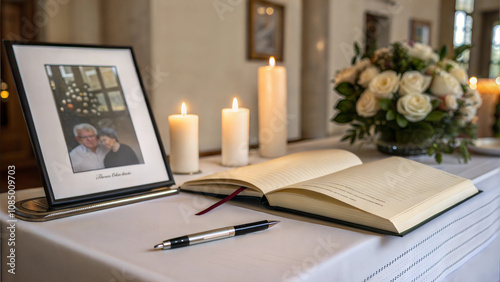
point(99, 150)
point(94, 116)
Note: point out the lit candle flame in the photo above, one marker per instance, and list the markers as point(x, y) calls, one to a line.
point(272, 61)
point(473, 82)
point(183, 109)
point(235, 105)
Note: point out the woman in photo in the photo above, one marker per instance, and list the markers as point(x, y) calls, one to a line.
point(119, 154)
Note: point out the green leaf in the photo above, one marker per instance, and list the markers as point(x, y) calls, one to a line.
point(357, 50)
point(385, 104)
point(424, 126)
point(353, 138)
point(464, 152)
point(459, 50)
point(390, 115)
point(353, 61)
point(435, 116)
point(443, 52)
point(402, 122)
point(345, 88)
point(345, 137)
point(343, 118)
point(439, 158)
point(346, 106)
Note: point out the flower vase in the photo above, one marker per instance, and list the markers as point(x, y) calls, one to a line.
point(392, 147)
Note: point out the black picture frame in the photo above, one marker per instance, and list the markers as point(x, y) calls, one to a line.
point(58, 87)
point(265, 30)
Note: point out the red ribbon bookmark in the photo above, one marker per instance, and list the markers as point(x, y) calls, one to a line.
point(222, 201)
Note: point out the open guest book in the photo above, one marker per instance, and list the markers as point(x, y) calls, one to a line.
point(391, 196)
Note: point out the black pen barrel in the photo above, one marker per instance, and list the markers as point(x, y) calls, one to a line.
point(251, 227)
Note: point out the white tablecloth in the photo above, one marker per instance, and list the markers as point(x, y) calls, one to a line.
point(116, 244)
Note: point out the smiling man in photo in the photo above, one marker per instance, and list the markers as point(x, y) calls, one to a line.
point(89, 155)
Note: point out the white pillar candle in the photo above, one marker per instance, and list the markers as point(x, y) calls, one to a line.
point(272, 110)
point(184, 154)
point(235, 126)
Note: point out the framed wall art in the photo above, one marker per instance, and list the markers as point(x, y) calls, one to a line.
point(265, 30)
point(89, 120)
point(420, 31)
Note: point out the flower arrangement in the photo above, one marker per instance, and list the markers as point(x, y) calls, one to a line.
point(408, 94)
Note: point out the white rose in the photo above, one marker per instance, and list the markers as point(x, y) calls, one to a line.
point(460, 74)
point(367, 75)
point(413, 82)
point(414, 106)
point(473, 99)
point(450, 102)
point(422, 52)
point(367, 105)
point(444, 84)
point(467, 113)
point(384, 84)
point(346, 75)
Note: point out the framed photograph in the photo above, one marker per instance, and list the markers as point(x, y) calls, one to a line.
point(265, 30)
point(89, 120)
point(420, 31)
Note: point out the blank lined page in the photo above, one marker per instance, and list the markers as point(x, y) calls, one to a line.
point(287, 170)
point(386, 187)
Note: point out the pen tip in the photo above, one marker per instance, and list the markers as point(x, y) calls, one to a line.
point(273, 222)
point(159, 246)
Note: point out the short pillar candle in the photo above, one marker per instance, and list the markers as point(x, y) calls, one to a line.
point(235, 127)
point(272, 110)
point(184, 153)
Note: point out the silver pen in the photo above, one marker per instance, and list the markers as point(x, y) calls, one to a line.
point(215, 234)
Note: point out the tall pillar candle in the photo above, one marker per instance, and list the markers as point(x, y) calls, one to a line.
point(235, 127)
point(272, 110)
point(184, 153)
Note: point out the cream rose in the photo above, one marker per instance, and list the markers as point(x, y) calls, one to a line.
point(414, 106)
point(422, 52)
point(367, 105)
point(363, 64)
point(346, 75)
point(384, 84)
point(367, 75)
point(413, 82)
point(450, 103)
point(456, 70)
point(460, 74)
point(445, 84)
